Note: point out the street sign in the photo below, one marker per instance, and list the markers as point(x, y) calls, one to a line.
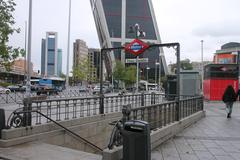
point(136, 47)
point(140, 60)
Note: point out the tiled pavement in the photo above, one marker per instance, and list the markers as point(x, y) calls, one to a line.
point(212, 138)
point(43, 151)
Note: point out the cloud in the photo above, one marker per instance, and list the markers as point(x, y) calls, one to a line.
point(224, 29)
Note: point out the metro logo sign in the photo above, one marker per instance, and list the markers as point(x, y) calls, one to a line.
point(136, 47)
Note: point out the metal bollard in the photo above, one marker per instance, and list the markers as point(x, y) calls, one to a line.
point(27, 115)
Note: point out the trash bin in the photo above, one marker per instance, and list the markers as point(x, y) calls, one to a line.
point(136, 140)
point(2, 121)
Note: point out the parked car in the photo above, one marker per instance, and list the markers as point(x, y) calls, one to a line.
point(4, 90)
point(96, 89)
point(83, 89)
point(14, 88)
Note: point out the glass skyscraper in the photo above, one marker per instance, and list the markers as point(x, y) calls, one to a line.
point(49, 58)
point(59, 62)
point(113, 19)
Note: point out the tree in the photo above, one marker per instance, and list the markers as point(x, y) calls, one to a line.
point(130, 75)
point(62, 75)
point(119, 72)
point(184, 64)
point(7, 53)
point(84, 71)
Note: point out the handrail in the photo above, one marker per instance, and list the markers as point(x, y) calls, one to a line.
point(73, 133)
point(66, 129)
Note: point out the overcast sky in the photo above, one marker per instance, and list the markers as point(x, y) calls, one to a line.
point(186, 21)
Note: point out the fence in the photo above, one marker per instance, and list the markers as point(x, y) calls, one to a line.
point(71, 108)
point(16, 97)
point(160, 115)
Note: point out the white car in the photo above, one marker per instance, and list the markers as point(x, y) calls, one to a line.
point(96, 90)
point(4, 90)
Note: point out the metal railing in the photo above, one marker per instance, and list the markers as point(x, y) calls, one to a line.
point(16, 97)
point(160, 115)
point(13, 97)
point(72, 108)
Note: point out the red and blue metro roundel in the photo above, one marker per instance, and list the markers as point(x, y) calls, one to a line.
point(136, 47)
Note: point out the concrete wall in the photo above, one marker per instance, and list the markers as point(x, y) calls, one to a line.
point(158, 136)
point(95, 129)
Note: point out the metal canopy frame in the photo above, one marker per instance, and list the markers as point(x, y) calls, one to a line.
point(176, 46)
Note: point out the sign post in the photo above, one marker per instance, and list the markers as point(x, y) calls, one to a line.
point(136, 47)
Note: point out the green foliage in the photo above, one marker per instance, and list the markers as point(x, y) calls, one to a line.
point(5, 84)
point(7, 53)
point(184, 64)
point(130, 75)
point(119, 71)
point(126, 75)
point(83, 71)
point(62, 75)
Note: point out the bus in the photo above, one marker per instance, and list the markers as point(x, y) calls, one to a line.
point(50, 85)
point(216, 79)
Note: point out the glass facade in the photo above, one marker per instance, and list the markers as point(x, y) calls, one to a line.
point(113, 13)
point(117, 53)
point(59, 64)
point(137, 11)
point(141, 15)
point(51, 56)
point(48, 66)
point(43, 57)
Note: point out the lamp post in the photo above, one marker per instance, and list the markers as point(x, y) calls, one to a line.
point(202, 63)
point(156, 63)
point(25, 56)
point(147, 72)
point(28, 90)
point(138, 33)
point(160, 60)
point(68, 45)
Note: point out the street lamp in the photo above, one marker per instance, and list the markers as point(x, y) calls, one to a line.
point(202, 63)
point(160, 60)
point(28, 90)
point(156, 63)
point(138, 33)
point(147, 72)
point(68, 45)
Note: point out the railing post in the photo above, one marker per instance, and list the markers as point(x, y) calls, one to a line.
point(178, 83)
point(2, 121)
point(153, 98)
point(142, 99)
point(202, 100)
point(101, 106)
point(27, 108)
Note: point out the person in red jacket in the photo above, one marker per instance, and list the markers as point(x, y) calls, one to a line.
point(229, 97)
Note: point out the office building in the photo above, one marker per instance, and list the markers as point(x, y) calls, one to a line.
point(49, 57)
point(94, 59)
point(228, 54)
point(113, 19)
point(80, 51)
point(59, 64)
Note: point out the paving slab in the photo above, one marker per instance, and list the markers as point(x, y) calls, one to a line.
point(43, 151)
point(212, 138)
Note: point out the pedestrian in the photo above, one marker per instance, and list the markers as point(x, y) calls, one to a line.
point(229, 97)
point(238, 94)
